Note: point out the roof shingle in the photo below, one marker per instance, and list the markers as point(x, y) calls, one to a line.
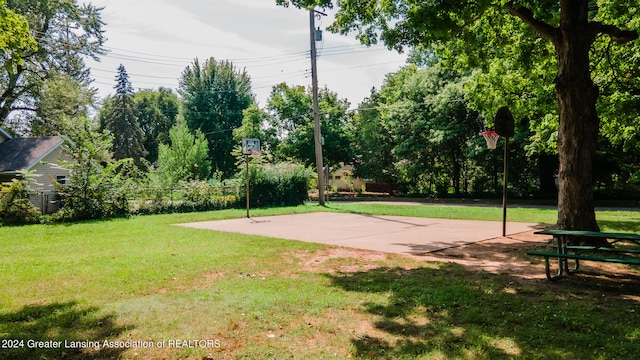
point(24, 153)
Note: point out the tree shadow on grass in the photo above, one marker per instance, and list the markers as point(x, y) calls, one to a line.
point(450, 312)
point(628, 225)
point(30, 332)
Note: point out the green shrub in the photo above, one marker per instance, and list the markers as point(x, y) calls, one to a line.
point(15, 207)
point(283, 184)
point(194, 196)
point(100, 187)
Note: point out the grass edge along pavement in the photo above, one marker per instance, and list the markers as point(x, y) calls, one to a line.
point(142, 279)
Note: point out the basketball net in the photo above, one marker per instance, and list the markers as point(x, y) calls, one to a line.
point(492, 139)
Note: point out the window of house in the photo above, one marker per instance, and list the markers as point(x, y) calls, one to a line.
point(61, 179)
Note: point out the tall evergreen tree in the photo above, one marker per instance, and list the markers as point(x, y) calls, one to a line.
point(119, 117)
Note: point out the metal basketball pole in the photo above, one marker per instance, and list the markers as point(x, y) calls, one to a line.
point(505, 125)
point(504, 186)
point(246, 159)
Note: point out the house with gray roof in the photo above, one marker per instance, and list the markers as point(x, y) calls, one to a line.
point(41, 156)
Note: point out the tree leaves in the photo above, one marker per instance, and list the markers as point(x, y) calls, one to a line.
point(185, 158)
point(65, 33)
point(120, 117)
point(291, 119)
point(15, 39)
point(214, 95)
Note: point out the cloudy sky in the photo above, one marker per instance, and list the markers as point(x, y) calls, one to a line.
point(156, 39)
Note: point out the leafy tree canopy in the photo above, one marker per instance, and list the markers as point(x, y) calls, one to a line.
point(60, 106)
point(157, 112)
point(417, 130)
point(184, 159)
point(291, 109)
point(15, 39)
point(100, 187)
point(214, 95)
point(254, 125)
point(65, 33)
point(572, 27)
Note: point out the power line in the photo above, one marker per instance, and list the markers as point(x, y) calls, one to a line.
point(138, 75)
point(288, 75)
point(263, 61)
point(292, 67)
point(304, 54)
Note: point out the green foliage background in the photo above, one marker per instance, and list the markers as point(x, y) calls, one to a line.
point(281, 184)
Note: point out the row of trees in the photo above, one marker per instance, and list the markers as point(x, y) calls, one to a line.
point(556, 64)
point(214, 111)
point(183, 137)
point(579, 39)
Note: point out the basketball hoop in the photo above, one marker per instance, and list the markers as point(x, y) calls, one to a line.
point(251, 147)
point(492, 139)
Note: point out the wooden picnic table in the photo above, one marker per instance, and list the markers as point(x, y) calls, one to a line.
point(564, 251)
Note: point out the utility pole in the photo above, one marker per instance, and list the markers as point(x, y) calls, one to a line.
point(317, 135)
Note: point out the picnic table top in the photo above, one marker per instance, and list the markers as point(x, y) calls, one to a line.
point(585, 233)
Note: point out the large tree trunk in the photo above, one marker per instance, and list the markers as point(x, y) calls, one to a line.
point(457, 169)
point(8, 97)
point(579, 122)
point(547, 172)
point(577, 96)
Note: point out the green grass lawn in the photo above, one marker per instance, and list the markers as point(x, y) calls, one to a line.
point(188, 293)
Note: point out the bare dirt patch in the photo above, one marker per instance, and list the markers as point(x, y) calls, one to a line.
point(207, 279)
point(360, 260)
point(508, 255)
point(497, 255)
point(500, 255)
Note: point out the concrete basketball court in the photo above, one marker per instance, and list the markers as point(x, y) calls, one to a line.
point(392, 234)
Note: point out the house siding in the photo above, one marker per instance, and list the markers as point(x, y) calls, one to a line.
point(50, 168)
point(45, 202)
point(343, 180)
point(41, 158)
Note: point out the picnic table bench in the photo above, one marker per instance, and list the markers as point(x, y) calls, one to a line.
point(565, 251)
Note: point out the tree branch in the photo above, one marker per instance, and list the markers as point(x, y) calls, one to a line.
point(540, 27)
point(22, 108)
point(615, 33)
point(476, 18)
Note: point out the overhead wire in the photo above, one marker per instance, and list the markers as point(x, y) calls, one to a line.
point(250, 62)
point(263, 81)
point(292, 66)
point(263, 61)
point(305, 53)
